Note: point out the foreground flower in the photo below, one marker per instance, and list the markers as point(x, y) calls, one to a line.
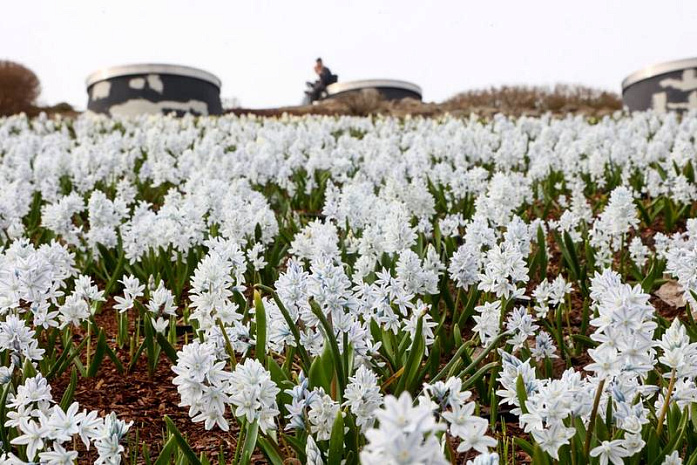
point(406, 434)
point(254, 394)
point(610, 451)
point(32, 437)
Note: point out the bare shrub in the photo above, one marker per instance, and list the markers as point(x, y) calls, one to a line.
point(363, 103)
point(19, 89)
point(516, 100)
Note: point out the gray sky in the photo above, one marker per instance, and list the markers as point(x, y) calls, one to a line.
point(264, 51)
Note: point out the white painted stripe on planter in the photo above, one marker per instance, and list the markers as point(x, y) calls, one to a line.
point(130, 70)
point(657, 70)
point(339, 87)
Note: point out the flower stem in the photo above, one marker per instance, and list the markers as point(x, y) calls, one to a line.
point(664, 409)
point(591, 422)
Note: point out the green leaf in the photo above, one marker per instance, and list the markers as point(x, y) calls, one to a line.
point(676, 438)
point(150, 343)
point(304, 358)
point(167, 348)
point(65, 358)
point(336, 441)
point(479, 373)
point(3, 413)
point(322, 370)
point(116, 274)
point(67, 398)
point(525, 446)
point(136, 356)
point(250, 442)
point(477, 361)
point(571, 250)
point(146, 454)
point(585, 340)
point(522, 393)
point(539, 457)
point(167, 451)
point(28, 370)
point(99, 353)
point(693, 460)
point(181, 442)
point(297, 445)
point(260, 317)
point(449, 365)
point(336, 354)
point(270, 450)
point(416, 353)
point(115, 359)
point(278, 375)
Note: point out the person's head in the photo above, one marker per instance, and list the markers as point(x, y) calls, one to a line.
point(318, 65)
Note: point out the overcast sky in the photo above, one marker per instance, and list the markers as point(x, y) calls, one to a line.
point(264, 51)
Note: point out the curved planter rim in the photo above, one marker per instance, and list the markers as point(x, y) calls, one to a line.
point(136, 69)
point(657, 70)
point(339, 87)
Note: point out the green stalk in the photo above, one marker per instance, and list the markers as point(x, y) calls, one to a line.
point(240, 440)
point(304, 358)
point(89, 342)
point(591, 422)
point(664, 409)
point(228, 346)
point(331, 338)
point(452, 361)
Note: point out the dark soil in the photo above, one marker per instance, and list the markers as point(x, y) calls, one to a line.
point(145, 400)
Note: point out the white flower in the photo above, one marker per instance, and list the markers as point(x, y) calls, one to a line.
point(610, 451)
point(485, 459)
point(314, 455)
point(405, 435)
point(253, 393)
point(672, 459)
point(606, 362)
point(162, 302)
point(552, 438)
point(323, 412)
point(363, 396)
point(74, 311)
point(160, 324)
point(63, 425)
point(32, 436)
point(58, 456)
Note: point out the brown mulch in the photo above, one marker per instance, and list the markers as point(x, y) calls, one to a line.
point(144, 400)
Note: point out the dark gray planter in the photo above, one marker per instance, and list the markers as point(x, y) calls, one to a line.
point(132, 90)
point(390, 89)
point(670, 86)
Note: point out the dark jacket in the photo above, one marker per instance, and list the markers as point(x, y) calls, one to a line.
point(326, 77)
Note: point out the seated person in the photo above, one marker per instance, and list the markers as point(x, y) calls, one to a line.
point(325, 77)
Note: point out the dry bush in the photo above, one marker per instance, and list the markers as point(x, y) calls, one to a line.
point(19, 89)
point(516, 100)
point(510, 100)
point(363, 103)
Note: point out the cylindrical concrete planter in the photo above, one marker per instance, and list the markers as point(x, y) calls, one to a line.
point(390, 89)
point(153, 89)
point(670, 86)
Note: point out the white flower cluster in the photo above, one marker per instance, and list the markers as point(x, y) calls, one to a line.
point(680, 252)
point(624, 356)
point(207, 389)
point(450, 402)
point(49, 433)
point(406, 434)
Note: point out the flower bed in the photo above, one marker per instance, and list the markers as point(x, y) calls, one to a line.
point(348, 290)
